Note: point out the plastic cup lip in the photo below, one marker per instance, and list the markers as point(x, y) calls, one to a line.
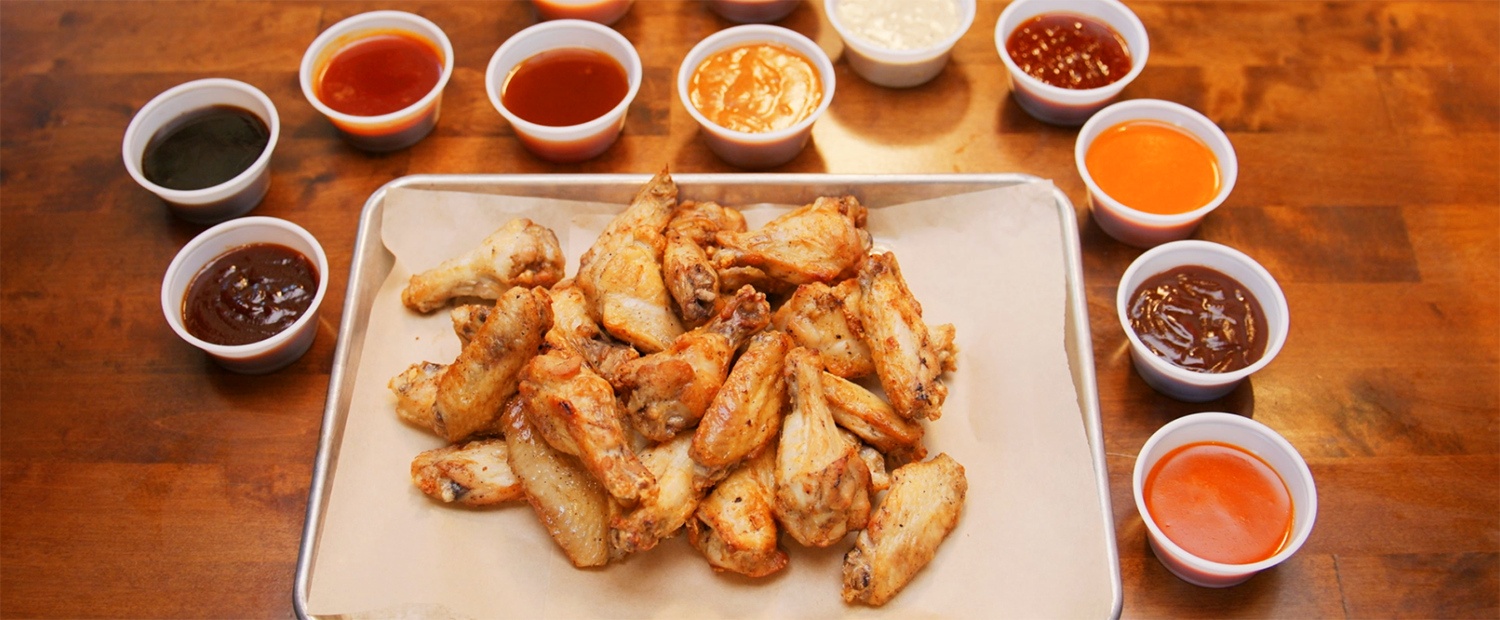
point(494, 83)
point(1134, 33)
point(1241, 426)
point(197, 196)
point(1278, 314)
point(755, 33)
point(967, 9)
point(353, 25)
point(1178, 116)
point(172, 305)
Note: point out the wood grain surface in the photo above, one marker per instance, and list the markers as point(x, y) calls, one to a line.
point(138, 479)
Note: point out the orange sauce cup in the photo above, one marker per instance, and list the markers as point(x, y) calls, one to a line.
point(385, 132)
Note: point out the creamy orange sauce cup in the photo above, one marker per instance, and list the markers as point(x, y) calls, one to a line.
point(746, 149)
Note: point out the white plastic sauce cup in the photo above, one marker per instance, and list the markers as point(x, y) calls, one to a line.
point(1066, 106)
point(898, 68)
point(1248, 435)
point(229, 199)
point(256, 358)
point(573, 143)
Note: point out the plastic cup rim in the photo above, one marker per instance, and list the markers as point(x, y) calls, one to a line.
point(891, 56)
point(1119, 112)
point(1221, 569)
point(132, 160)
point(1067, 95)
point(173, 307)
point(714, 43)
point(349, 25)
point(633, 73)
point(1279, 333)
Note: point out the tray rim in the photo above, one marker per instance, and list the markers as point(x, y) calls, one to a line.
point(1081, 355)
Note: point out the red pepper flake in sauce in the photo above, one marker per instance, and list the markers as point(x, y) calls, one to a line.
point(1068, 50)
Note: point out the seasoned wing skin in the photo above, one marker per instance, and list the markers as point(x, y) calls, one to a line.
point(690, 274)
point(476, 473)
point(821, 242)
point(621, 275)
point(576, 412)
point(873, 420)
point(816, 317)
point(416, 394)
point(467, 319)
point(473, 388)
point(906, 358)
point(659, 516)
point(670, 390)
point(920, 511)
point(570, 503)
point(735, 526)
point(822, 485)
point(745, 414)
point(574, 329)
point(520, 253)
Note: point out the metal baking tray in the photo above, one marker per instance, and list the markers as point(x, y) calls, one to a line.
point(372, 262)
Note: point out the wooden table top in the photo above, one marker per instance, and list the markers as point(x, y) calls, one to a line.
point(1368, 136)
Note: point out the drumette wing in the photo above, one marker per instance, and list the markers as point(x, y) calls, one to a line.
point(576, 412)
point(690, 275)
point(670, 390)
point(820, 242)
point(570, 503)
point(520, 253)
point(621, 275)
point(822, 485)
point(473, 388)
point(476, 473)
point(906, 356)
point(920, 511)
point(574, 329)
point(735, 526)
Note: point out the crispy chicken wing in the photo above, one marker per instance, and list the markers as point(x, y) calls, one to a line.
point(472, 389)
point(574, 329)
point(735, 526)
point(476, 473)
point(816, 317)
point(689, 273)
point(745, 414)
point(822, 485)
point(920, 511)
point(670, 390)
point(906, 358)
point(467, 319)
point(521, 253)
point(621, 275)
point(576, 412)
point(416, 394)
point(572, 505)
point(659, 516)
point(821, 242)
point(873, 420)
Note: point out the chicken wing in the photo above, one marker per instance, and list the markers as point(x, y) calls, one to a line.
point(574, 329)
point(690, 275)
point(735, 526)
point(821, 242)
point(621, 275)
point(416, 394)
point(576, 412)
point(572, 505)
point(906, 359)
point(822, 485)
point(472, 389)
point(670, 390)
point(520, 253)
point(873, 420)
point(745, 414)
point(476, 473)
point(660, 515)
point(467, 319)
point(816, 317)
point(920, 511)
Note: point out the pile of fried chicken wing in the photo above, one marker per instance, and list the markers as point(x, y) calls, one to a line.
point(657, 391)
